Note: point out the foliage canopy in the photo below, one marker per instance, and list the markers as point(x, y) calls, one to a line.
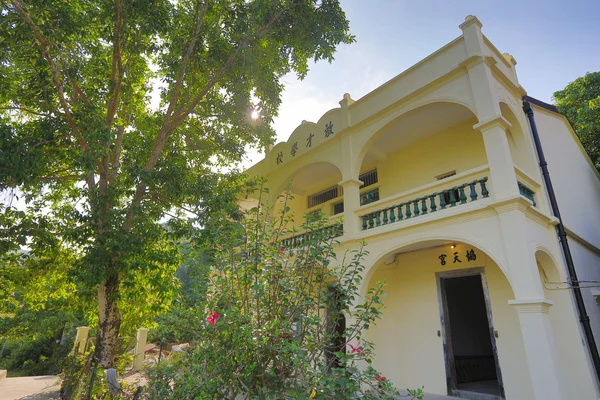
point(579, 101)
point(98, 166)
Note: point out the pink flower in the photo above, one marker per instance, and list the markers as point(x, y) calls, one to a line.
point(356, 349)
point(281, 250)
point(380, 378)
point(212, 318)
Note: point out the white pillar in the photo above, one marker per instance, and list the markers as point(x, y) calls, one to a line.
point(352, 224)
point(80, 340)
point(503, 180)
point(140, 346)
point(540, 350)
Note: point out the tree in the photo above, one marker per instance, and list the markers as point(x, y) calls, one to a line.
point(579, 101)
point(97, 166)
point(272, 322)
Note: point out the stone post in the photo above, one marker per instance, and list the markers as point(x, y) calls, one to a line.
point(140, 347)
point(80, 340)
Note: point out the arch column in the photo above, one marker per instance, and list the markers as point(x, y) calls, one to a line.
point(503, 180)
point(351, 188)
point(530, 303)
point(540, 348)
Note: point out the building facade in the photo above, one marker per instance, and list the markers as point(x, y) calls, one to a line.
point(437, 171)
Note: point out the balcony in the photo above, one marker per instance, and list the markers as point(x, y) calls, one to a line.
point(436, 198)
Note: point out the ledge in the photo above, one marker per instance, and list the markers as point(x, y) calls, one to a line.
point(531, 306)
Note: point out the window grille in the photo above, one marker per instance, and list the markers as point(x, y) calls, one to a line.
point(445, 175)
point(324, 196)
point(368, 178)
point(369, 197)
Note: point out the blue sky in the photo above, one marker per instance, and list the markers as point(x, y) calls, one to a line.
point(554, 42)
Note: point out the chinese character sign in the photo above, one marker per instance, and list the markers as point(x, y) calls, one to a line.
point(329, 129)
point(309, 140)
point(294, 149)
point(470, 256)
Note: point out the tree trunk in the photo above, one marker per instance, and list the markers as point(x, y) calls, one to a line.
point(109, 322)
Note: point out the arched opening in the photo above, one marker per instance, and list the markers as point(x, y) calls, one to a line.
point(447, 324)
point(310, 189)
point(429, 143)
point(520, 148)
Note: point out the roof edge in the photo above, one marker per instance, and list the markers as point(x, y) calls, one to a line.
point(540, 103)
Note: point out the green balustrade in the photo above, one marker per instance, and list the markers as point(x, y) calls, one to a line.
point(526, 192)
point(452, 197)
point(437, 201)
point(473, 193)
point(432, 205)
point(299, 240)
point(461, 194)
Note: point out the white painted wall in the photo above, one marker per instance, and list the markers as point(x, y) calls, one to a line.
point(577, 187)
point(575, 181)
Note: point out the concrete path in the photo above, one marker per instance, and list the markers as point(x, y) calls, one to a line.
point(29, 388)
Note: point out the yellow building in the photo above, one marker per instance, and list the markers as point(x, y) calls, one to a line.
point(437, 170)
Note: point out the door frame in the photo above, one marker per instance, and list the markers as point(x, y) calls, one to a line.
point(451, 381)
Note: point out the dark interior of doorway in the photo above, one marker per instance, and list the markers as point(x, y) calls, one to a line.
point(336, 327)
point(473, 352)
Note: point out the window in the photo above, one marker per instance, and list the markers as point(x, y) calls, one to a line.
point(324, 196)
point(445, 175)
point(368, 178)
point(338, 208)
point(314, 215)
point(369, 197)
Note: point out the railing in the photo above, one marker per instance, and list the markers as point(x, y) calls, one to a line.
point(331, 231)
point(429, 203)
point(528, 187)
point(526, 192)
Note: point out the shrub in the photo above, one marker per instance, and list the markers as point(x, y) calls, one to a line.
point(276, 322)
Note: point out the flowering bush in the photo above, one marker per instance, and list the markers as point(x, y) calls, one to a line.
point(279, 322)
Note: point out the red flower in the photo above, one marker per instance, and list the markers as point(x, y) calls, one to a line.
point(212, 318)
point(281, 250)
point(380, 378)
point(356, 349)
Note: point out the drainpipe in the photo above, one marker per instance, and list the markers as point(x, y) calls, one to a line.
point(564, 244)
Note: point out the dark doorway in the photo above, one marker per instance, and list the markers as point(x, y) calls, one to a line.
point(336, 327)
point(469, 342)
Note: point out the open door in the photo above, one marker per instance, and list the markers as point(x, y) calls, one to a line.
point(472, 369)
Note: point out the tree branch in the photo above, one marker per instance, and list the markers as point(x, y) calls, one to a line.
point(170, 124)
point(58, 178)
point(183, 111)
point(45, 48)
point(116, 74)
point(27, 110)
point(185, 61)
